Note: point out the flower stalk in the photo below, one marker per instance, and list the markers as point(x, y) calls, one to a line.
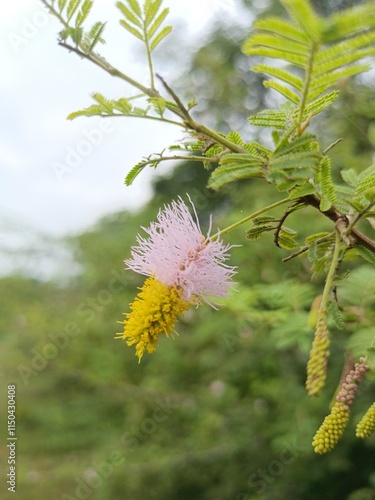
point(319, 354)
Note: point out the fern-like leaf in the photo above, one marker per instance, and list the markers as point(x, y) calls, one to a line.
point(72, 8)
point(134, 5)
point(133, 173)
point(151, 9)
point(286, 238)
point(83, 13)
point(350, 177)
point(62, 4)
point(270, 118)
point(95, 35)
point(281, 27)
point(157, 23)
point(159, 37)
point(326, 183)
point(131, 16)
point(301, 190)
point(285, 76)
point(234, 167)
point(335, 314)
point(145, 24)
point(325, 49)
point(283, 90)
point(365, 253)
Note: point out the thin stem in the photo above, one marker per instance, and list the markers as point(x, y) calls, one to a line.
point(220, 139)
point(249, 217)
point(295, 206)
point(150, 161)
point(331, 273)
point(305, 91)
point(149, 58)
point(305, 249)
point(56, 13)
point(148, 117)
point(199, 127)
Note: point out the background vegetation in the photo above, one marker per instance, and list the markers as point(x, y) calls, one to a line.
point(220, 411)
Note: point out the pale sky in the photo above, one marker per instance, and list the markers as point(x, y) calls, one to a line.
point(40, 85)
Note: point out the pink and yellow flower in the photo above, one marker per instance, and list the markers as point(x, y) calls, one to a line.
point(184, 268)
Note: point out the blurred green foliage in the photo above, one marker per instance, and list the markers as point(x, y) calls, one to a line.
point(220, 410)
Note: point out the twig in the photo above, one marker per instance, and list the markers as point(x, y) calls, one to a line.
point(283, 218)
point(334, 215)
point(305, 249)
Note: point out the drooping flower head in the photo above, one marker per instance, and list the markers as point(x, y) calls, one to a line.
point(184, 267)
point(334, 424)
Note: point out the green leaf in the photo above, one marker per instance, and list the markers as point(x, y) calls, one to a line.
point(62, 4)
point(235, 170)
point(95, 35)
point(275, 42)
point(74, 33)
point(265, 220)
point(320, 104)
point(135, 7)
point(359, 287)
point(284, 91)
point(360, 341)
point(349, 21)
point(160, 36)
point(255, 233)
point(369, 171)
point(315, 237)
point(131, 30)
point(158, 104)
point(306, 142)
point(295, 161)
point(365, 184)
point(133, 173)
point(295, 59)
point(156, 24)
point(324, 204)
point(312, 253)
point(286, 238)
point(301, 190)
point(302, 43)
point(349, 45)
point(257, 150)
point(235, 137)
point(326, 183)
point(93, 110)
point(269, 118)
point(335, 314)
point(150, 9)
point(281, 27)
point(84, 12)
point(281, 74)
point(122, 105)
point(129, 15)
point(365, 253)
point(343, 59)
point(106, 104)
point(72, 8)
point(322, 83)
point(302, 12)
point(350, 177)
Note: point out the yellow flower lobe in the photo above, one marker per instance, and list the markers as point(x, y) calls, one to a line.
point(154, 312)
